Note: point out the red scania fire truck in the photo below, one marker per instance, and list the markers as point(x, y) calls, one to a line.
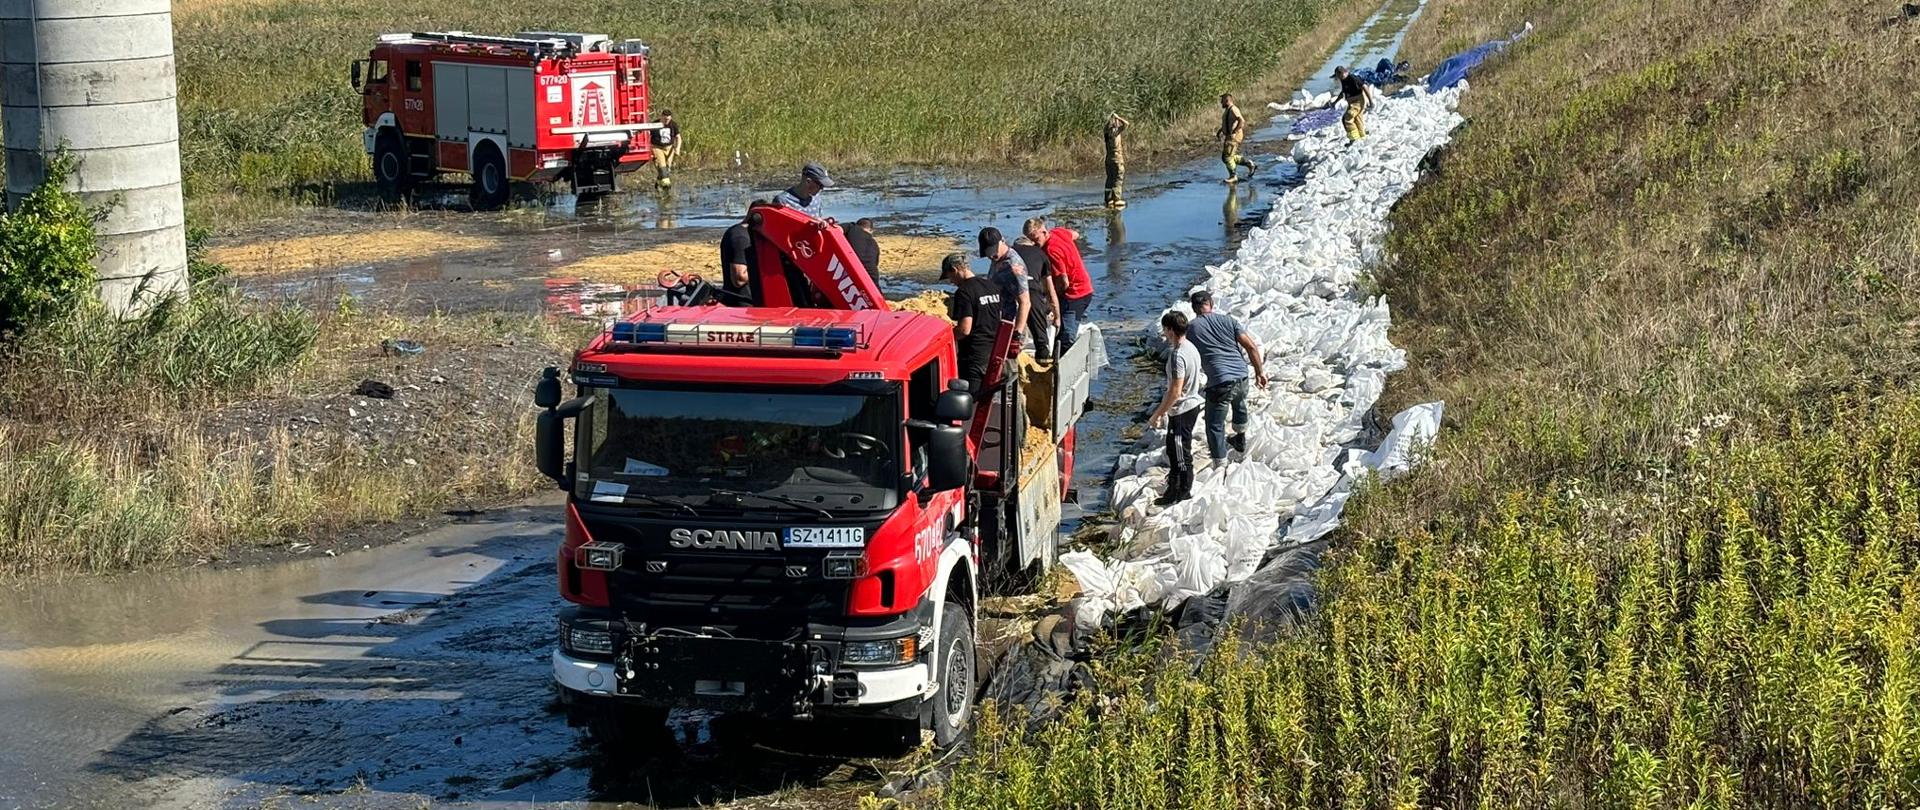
point(538, 107)
point(791, 509)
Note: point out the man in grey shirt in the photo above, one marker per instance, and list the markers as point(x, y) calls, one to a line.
point(805, 195)
point(1178, 407)
point(1221, 342)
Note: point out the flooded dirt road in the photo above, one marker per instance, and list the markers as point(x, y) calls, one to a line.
point(416, 674)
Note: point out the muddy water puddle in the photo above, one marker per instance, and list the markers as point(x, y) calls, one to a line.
point(416, 674)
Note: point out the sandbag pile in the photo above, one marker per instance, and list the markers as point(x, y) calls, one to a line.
point(1292, 285)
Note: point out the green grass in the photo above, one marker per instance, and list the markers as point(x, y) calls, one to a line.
point(1667, 553)
point(266, 110)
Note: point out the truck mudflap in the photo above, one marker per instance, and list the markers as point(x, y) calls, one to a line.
point(775, 678)
point(593, 167)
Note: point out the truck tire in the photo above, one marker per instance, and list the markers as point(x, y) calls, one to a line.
point(490, 183)
point(628, 731)
point(952, 706)
point(390, 172)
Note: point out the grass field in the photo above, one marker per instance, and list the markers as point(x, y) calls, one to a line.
point(1668, 550)
point(266, 111)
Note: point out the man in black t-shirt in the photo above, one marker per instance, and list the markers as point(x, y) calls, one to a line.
point(1040, 316)
point(860, 238)
point(976, 317)
point(1359, 96)
point(736, 265)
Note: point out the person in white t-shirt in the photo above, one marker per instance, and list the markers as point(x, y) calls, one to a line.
point(1179, 408)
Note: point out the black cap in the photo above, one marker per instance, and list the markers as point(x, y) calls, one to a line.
point(1200, 298)
point(1339, 70)
point(952, 262)
point(990, 238)
point(818, 174)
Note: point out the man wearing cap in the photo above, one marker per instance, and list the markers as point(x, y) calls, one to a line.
point(1220, 341)
point(1359, 96)
point(1010, 273)
point(1075, 287)
point(976, 317)
point(805, 195)
point(1233, 130)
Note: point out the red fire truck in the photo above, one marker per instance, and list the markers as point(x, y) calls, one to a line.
point(791, 510)
point(537, 107)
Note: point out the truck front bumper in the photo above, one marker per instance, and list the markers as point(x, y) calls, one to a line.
point(863, 688)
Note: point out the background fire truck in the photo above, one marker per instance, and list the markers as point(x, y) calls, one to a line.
point(537, 107)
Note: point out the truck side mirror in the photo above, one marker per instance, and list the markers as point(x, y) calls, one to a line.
point(546, 393)
point(356, 73)
point(549, 446)
point(948, 465)
point(956, 405)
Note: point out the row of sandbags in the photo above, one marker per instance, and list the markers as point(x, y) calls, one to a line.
point(1292, 284)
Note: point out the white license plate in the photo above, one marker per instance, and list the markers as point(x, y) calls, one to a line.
point(826, 537)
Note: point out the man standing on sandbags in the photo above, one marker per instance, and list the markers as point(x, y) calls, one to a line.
point(1359, 96)
point(1220, 341)
point(1179, 408)
point(1233, 130)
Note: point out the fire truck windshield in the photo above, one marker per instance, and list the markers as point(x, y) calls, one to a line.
point(835, 451)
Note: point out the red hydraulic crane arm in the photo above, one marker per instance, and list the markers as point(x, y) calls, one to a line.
point(834, 277)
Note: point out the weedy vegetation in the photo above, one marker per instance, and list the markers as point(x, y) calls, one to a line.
point(267, 113)
point(1667, 551)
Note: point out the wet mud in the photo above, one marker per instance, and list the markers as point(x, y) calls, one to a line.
point(416, 674)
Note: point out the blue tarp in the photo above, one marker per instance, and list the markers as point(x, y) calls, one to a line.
point(1315, 119)
point(1383, 73)
point(1456, 68)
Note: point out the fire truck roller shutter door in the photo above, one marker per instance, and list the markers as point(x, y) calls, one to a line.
point(487, 100)
point(450, 101)
point(521, 130)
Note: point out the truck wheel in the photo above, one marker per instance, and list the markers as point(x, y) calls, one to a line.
point(490, 183)
point(952, 707)
point(628, 731)
point(390, 172)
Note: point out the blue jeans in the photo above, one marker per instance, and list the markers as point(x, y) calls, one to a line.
point(1219, 399)
point(1072, 311)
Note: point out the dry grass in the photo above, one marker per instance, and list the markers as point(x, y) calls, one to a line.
point(334, 250)
point(143, 445)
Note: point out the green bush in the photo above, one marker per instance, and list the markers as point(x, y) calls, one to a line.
point(46, 251)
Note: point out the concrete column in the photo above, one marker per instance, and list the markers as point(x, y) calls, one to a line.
point(97, 75)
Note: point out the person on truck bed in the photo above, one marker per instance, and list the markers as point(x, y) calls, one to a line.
point(860, 238)
point(1007, 270)
point(1220, 342)
point(666, 147)
point(1075, 287)
point(976, 317)
point(804, 196)
point(1179, 408)
point(1043, 316)
point(736, 262)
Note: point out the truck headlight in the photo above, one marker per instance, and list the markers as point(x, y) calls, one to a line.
point(599, 556)
point(883, 652)
point(586, 638)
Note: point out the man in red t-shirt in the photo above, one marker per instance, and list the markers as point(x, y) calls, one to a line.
point(1074, 287)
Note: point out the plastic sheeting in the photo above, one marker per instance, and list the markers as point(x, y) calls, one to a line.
point(1457, 67)
point(1292, 285)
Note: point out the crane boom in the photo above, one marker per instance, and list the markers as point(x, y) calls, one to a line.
point(825, 272)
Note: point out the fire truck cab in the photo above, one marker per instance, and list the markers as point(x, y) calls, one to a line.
point(537, 107)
